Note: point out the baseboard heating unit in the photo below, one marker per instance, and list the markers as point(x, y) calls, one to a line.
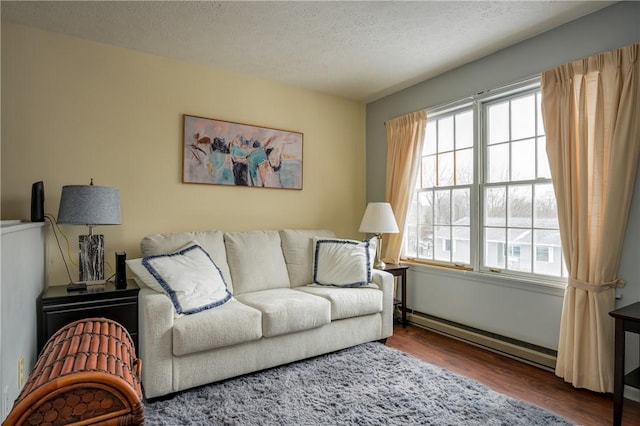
point(526, 352)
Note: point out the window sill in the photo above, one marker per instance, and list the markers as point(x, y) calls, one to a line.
point(556, 288)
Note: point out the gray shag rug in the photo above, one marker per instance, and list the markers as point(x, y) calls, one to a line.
point(369, 384)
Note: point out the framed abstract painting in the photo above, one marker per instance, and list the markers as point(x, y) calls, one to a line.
point(225, 153)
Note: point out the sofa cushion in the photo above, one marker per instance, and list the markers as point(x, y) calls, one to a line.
point(344, 263)
point(286, 310)
point(211, 241)
point(227, 325)
point(256, 261)
point(189, 277)
point(297, 247)
point(348, 302)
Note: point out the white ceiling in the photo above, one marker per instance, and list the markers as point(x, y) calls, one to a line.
point(361, 50)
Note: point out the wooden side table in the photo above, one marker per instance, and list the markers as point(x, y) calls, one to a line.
point(400, 271)
point(57, 308)
point(627, 319)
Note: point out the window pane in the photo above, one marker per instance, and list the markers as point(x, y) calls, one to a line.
point(519, 250)
point(443, 207)
point(543, 160)
point(464, 167)
point(494, 247)
point(425, 209)
point(445, 169)
point(412, 212)
point(539, 114)
point(498, 123)
point(428, 171)
point(523, 160)
point(425, 246)
point(445, 134)
point(498, 163)
point(520, 206)
point(495, 206)
point(548, 243)
point(461, 206)
point(464, 130)
point(523, 117)
point(546, 208)
point(443, 243)
point(411, 241)
point(461, 244)
point(430, 138)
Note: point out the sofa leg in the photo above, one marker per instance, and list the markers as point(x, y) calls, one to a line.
point(383, 341)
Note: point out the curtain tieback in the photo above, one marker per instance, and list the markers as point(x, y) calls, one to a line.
point(617, 283)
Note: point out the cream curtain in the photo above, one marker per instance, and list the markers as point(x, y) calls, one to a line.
point(405, 136)
point(592, 121)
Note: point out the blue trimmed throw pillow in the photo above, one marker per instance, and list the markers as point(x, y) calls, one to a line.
point(342, 263)
point(189, 277)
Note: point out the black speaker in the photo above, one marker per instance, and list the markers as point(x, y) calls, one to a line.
point(121, 270)
point(37, 202)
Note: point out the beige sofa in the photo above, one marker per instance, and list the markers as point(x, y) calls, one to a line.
point(272, 315)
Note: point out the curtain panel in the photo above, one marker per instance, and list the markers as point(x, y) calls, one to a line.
point(591, 115)
point(405, 136)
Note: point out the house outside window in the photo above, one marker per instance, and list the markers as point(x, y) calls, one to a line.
point(544, 254)
point(484, 198)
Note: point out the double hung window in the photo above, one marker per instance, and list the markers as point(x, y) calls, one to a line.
point(484, 199)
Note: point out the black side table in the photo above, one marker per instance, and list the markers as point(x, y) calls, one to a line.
point(400, 271)
point(627, 319)
point(57, 308)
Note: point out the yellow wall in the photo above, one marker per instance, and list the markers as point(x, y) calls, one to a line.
point(74, 110)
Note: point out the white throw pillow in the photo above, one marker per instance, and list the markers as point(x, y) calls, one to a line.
point(342, 263)
point(189, 277)
point(211, 241)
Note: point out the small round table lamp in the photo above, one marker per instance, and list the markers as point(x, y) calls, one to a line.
point(90, 205)
point(378, 219)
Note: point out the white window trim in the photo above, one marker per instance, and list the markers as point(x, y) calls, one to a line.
point(476, 102)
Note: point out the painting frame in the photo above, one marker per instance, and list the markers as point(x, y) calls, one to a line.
point(220, 152)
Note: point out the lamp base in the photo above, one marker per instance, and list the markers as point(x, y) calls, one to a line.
point(91, 256)
point(379, 264)
point(76, 287)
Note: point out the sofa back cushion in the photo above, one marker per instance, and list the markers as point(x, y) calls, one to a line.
point(255, 261)
point(211, 241)
point(297, 248)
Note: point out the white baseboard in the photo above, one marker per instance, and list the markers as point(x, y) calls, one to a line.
point(632, 393)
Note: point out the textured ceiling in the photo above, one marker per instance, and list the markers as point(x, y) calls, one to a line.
point(358, 50)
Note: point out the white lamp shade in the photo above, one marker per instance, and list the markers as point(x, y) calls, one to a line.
point(379, 219)
point(89, 205)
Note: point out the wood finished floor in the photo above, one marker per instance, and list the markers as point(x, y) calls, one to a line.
point(511, 377)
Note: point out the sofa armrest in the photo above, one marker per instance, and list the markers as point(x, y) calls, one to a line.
point(155, 339)
point(384, 280)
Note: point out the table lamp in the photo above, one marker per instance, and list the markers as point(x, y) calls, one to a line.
point(378, 219)
point(90, 205)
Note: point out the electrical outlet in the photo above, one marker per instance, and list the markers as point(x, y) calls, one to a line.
point(20, 372)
